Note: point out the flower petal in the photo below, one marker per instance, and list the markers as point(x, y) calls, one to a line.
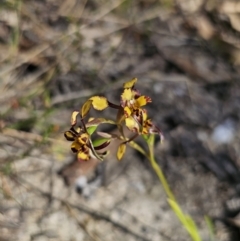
point(121, 151)
point(82, 156)
point(75, 147)
point(155, 130)
point(99, 102)
point(132, 124)
point(78, 130)
point(69, 135)
point(74, 118)
point(83, 138)
point(127, 111)
point(142, 100)
point(144, 114)
point(130, 83)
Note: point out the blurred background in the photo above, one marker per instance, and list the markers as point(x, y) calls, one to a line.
point(54, 54)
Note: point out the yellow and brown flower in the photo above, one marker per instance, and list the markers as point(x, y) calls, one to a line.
point(80, 143)
point(131, 99)
point(129, 110)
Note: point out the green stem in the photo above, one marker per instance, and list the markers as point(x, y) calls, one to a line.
point(186, 220)
point(160, 174)
point(155, 166)
point(134, 145)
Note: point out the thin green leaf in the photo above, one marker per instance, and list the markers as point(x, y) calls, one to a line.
point(100, 141)
point(107, 135)
point(175, 207)
point(99, 157)
point(91, 129)
point(193, 228)
point(137, 147)
point(187, 221)
point(98, 121)
point(104, 154)
point(210, 226)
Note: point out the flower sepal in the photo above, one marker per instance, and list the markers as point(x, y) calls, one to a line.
point(121, 151)
point(86, 108)
point(99, 102)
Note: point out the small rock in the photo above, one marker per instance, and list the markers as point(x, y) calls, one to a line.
point(224, 132)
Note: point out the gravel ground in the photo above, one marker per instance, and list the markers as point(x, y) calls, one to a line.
point(55, 54)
